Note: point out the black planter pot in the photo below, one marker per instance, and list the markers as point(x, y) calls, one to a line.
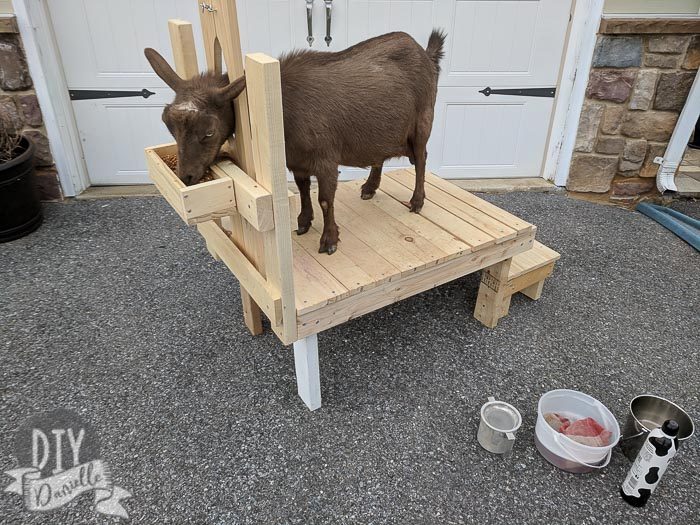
point(20, 209)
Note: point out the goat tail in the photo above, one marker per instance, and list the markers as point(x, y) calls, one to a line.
point(435, 50)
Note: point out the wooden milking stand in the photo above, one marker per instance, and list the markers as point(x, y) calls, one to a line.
point(386, 254)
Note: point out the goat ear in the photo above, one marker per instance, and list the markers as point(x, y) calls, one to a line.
point(232, 90)
point(163, 69)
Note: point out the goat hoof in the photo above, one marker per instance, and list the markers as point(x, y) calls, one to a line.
point(301, 230)
point(416, 207)
point(366, 192)
point(330, 249)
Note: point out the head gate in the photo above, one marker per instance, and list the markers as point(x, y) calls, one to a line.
point(258, 150)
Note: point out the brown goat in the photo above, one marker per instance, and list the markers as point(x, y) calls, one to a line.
point(357, 107)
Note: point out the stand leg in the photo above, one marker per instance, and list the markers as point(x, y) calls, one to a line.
point(534, 291)
point(306, 365)
point(252, 315)
point(493, 301)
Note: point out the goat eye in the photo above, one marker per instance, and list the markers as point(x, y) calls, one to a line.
point(210, 134)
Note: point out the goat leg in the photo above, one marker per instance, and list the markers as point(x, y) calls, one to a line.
point(420, 156)
point(327, 184)
point(307, 211)
point(370, 187)
point(418, 197)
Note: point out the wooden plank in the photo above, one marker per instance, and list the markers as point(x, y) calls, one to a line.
point(184, 51)
point(486, 207)
point(362, 255)
point(439, 237)
point(472, 215)
point(207, 200)
point(162, 177)
point(439, 216)
point(294, 208)
point(379, 235)
point(8, 24)
point(530, 280)
point(265, 295)
point(539, 256)
point(263, 79)
point(410, 241)
point(390, 292)
point(220, 33)
point(313, 284)
point(534, 291)
point(252, 200)
point(339, 265)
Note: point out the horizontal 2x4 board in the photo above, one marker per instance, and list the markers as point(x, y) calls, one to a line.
point(390, 292)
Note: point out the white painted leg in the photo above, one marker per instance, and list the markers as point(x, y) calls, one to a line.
point(306, 364)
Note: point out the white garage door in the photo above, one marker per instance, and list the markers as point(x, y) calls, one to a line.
point(513, 47)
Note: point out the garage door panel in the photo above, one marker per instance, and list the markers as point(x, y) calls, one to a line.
point(490, 43)
point(102, 42)
point(495, 36)
point(516, 43)
point(479, 137)
point(125, 128)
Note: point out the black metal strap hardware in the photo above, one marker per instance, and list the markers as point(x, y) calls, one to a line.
point(521, 92)
point(89, 94)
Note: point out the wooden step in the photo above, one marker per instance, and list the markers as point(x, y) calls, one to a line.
point(535, 258)
point(526, 273)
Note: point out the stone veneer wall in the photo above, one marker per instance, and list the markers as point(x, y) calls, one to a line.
point(18, 100)
point(638, 84)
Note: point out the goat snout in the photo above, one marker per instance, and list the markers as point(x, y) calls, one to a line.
point(190, 178)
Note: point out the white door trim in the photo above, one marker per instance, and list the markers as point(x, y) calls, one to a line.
point(46, 69)
point(571, 91)
point(45, 66)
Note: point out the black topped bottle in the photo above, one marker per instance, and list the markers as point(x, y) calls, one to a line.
point(651, 463)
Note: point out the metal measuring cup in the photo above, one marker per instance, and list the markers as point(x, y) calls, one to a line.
point(499, 423)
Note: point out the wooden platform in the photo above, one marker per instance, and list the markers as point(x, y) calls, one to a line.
point(387, 253)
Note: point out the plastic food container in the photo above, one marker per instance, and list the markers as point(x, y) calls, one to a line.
point(560, 450)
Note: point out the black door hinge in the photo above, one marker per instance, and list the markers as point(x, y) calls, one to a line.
point(89, 94)
point(521, 92)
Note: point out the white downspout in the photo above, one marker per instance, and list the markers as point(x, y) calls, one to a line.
point(675, 150)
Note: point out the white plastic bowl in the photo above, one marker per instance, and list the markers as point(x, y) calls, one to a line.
point(564, 452)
